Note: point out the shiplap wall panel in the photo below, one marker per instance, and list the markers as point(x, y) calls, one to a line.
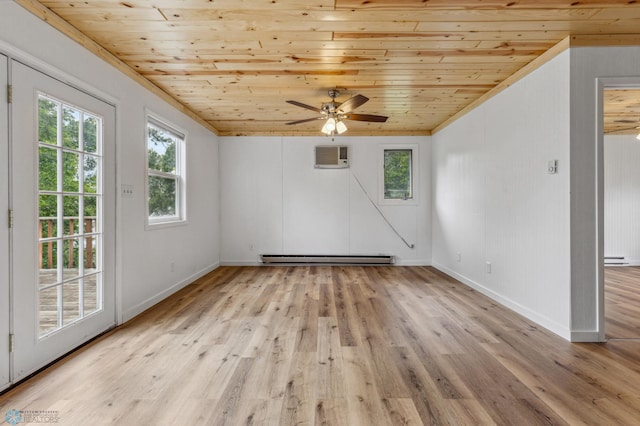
point(495, 202)
point(275, 202)
point(316, 204)
point(622, 197)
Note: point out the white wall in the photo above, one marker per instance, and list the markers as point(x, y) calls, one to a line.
point(144, 257)
point(622, 197)
point(274, 201)
point(494, 200)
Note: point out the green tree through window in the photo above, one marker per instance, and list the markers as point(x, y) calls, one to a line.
point(398, 174)
point(164, 174)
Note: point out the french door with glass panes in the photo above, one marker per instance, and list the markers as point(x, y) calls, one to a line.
point(63, 232)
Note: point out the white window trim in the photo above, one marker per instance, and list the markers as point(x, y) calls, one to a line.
point(415, 175)
point(181, 202)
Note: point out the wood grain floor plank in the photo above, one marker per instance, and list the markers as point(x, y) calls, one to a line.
point(300, 395)
point(330, 385)
point(345, 312)
point(342, 345)
point(622, 302)
point(331, 412)
point(427, 400)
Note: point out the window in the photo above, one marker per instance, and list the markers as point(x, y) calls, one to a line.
point(165, 173)
point(398, 167)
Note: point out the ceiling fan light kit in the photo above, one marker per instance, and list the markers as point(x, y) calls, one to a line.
point(335, 113)
point(329, 126)
point(341, 127)
point(332, 126)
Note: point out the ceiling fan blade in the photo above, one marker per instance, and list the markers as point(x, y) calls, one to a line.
point(353, 103)
point(305, 120)
point(366, 117)
point(300, 104)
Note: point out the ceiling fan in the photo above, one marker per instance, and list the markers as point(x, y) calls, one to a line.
point(335, 112)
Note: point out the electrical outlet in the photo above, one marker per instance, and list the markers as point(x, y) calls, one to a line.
point(552, 167)
point(488, 266)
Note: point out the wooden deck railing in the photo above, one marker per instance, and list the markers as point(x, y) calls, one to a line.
point(46, 248)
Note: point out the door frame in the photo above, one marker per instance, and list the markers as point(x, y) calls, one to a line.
point(5, 231)
point(33, 350)
point(10, 52)
point(602, 84)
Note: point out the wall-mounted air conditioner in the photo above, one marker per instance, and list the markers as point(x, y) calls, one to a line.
point(332, 157)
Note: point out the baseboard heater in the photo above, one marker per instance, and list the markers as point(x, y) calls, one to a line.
point(615, 260)
point(333, 259)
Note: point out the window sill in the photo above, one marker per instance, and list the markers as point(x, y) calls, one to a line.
point(163, 224)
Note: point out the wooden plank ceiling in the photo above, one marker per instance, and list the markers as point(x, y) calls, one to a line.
point(235, 62)
point(622, 111)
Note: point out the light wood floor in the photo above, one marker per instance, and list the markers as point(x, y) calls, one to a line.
point(335, 346)
point(622, 302)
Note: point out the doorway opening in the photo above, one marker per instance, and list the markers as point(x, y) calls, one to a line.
point(621, 211)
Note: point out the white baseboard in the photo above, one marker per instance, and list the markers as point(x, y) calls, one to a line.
point(514, 306)
point(586, 336)
point(143, 306)
point(628, 262)
point(412, 262)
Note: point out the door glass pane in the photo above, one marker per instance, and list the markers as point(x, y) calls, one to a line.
point(90, 293)
point(48, 210)
point(48, 169)
point(48, 263)
point(70, 172)
point(48, 309)
point(70, 128)
point(90, 174)
point(71, 301)
point(70, 250)
point(71, 215)
point(90, 254)
point(90, 133)
point(47, 121)
point(90, 215)
point(71, 258)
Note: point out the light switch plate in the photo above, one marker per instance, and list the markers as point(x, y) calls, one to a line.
point(126, 191)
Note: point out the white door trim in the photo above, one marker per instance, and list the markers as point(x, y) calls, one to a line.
point(5, 239)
